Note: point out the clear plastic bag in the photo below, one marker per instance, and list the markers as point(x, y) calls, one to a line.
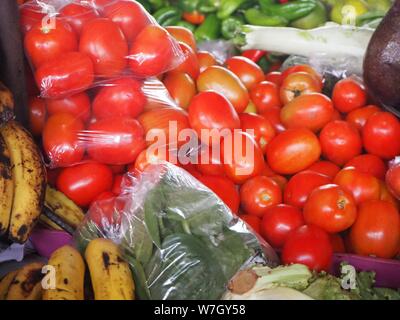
point(72, 45)
point(180, 239)
point(104, 123)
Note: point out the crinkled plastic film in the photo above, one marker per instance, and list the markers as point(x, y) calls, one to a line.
point(114, 39)
point(179, 238)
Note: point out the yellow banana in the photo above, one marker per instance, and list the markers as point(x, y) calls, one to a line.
point(5, 284)
point(49, 224)
point(27, 283)
point(110, 274)
point(6, 104)
point(70, 273)
point(29, 178)
point(63, 207)
point(6, 188)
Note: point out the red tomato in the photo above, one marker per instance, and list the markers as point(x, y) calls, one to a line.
point(190, 64)
point(30, 14)
point(181, 87)
point(224, 82)
point(274, 77)
point(279, 222)
point(118, 169)
point(77, 105)
point(258, 194)
point(301, 185)
point(152, 52)
point(77, 15)
point(206, 59)
point(105, 43)
point(107, 213)
point(106, 195)
point(359, 117)
point(115, 141)
point(265, 96)
point(330, 208)
point(68, 74)
point(381, 135)
point(119, 98)
point(326, 168)
point(182, 34)
point(146, 158)
point(309, 245)
point(273, 115)
point(368, 163)
point(61, 141)
point(210, 110)
point(253, 221)
point(242, 158)
point(264, 132)
point(337, 243)
point(312, 111)
point(348, 95)
point(210, 162)
point(387, 195)
point(340, 142)
point(159, 126)
point(280, 180)
point(393, 178)
point(293, 151)
point(117, 185)
point(37, 115)
point(377, 230)
point(84, 182)
point(363, 186)
point(302, 68)
point(130, 16)
point(248, 71)
point(297, 84)
point(42, 44)
point(336, 115)
point(194, 17)
point(224, 189)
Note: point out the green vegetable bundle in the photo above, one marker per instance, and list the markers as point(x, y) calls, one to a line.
point(180, 239)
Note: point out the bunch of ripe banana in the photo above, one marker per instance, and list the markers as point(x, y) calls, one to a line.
point(22, 175)
point(23, 190)
point(110, 276)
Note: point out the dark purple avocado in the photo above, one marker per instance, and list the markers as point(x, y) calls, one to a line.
point(382, 62)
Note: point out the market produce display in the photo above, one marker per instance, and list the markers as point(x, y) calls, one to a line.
point(121, 106)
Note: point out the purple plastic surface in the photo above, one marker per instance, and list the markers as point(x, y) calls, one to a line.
point(47, 241)
point(387, 271)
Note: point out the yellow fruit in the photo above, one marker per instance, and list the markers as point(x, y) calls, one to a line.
point(110, 274)
point(5, 284)
point(70, 273)
point(27, 283)
point(6, 188)
point(29, 178)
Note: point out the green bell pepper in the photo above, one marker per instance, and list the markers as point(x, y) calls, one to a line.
point(231, 26)
point(186, 25)
point(188, 5)
point(257, 18)
point(146, 4)
point(228, 7)
point(158, 4)
point(167, 16)
point(290, 11)
point(209, 29)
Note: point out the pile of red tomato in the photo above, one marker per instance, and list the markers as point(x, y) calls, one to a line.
point(318, 183)
point(317, 179)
